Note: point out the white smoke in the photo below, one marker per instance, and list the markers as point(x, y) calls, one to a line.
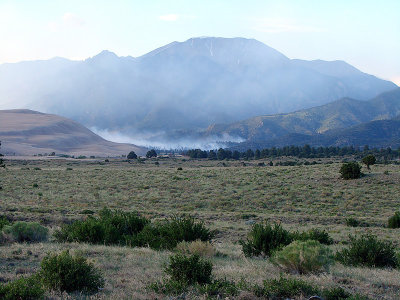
point(157, 140)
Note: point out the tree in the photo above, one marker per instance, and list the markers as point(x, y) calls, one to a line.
point(132, 155)
point(369, 160)
point(151, 153)
point(212, 155)
point(221, 155)
point(351, 170)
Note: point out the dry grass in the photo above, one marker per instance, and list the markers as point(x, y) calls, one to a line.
point(225, 197)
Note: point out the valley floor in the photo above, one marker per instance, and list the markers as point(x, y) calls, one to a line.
point(227, 196)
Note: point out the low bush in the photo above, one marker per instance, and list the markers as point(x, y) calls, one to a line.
point(264, 239)
point(350, 170)
point(314, 234)
point(220, 289)
point(3, 222)
point(336, 293)
point(198, 247)
point(111, 227)
point(168, 287)
point(189, 269)
point(64, 272)
point(23, 288)
point(167, 234)
point(351, 222)
point(368, 251)
point(283, 288)
point(304, 257)
point(394, 221)
point(26, 232)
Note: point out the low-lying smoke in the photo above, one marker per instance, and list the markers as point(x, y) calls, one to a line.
point(160, 140)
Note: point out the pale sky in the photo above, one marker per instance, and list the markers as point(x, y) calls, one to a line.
point(365, 33)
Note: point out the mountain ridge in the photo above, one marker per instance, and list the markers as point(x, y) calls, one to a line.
point(180, 86)
point(341, 113)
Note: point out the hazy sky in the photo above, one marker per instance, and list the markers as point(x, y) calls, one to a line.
point(364, 33)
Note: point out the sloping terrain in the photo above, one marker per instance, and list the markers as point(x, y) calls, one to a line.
point(339, 114)
point(380, 134)
point(27, 132)
point(181, 86)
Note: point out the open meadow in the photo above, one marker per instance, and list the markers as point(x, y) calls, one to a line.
point(229, 197)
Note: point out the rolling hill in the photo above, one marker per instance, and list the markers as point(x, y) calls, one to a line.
point(379, 134)
point(182, 86)
point(336, 115)
point(27, 132)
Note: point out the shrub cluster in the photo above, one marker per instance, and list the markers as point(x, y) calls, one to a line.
point(394, 221)
point(111, 227)
point(184, 271)
point(26, 232)
point(167, 234)
point(60, 272)
point(283, 288)
point(313, 234)
point(304, 257)
point(64, 272)
point(368, 251)
point(350, 170)
point(22, 288)
point(189, 269)
point(128, 228)
point(3, 222)
point(265, 239)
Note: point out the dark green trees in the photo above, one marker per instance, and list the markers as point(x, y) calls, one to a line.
point(132, 155)
point(369, 160)
point(151, 153)
point(351, 170)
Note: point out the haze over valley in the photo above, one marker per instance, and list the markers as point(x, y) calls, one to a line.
point(169, 96)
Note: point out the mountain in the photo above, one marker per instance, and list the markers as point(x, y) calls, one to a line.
point(380, 134)
point(27, 132)
point(339, 114)
point(181, 86)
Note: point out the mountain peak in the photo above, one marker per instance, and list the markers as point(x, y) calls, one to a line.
point(224, 51)
point(103, 56)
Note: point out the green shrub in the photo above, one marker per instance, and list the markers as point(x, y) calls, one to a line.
point(368, 251)
point(314, 234)
point(394, 221)
point(3, 222)
point(27, 232)
point(189, 269)
point(64, 272)
point(336, 293)
point(111, 227)
point(263, 240)
point(167, 234)
point(283, 288)
point(350, 170)
point(220, 289)
point(24, 288)
point(304, 257)
point(351, 222)
point(168, 287)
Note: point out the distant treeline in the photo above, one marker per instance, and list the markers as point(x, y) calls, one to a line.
point(294, 151)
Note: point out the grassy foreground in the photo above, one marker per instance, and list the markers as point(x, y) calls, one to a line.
point(226, 195)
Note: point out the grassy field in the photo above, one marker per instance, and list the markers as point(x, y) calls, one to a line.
point(225, 195)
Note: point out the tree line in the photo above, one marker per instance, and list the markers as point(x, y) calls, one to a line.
point(305, 151)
